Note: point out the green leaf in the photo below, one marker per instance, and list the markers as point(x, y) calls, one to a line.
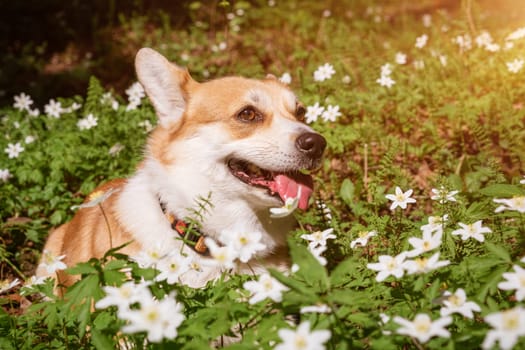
point(84, 317)
point(347, 191)
point(57, 217)
point(498, 251)
point(344, 272)
point(492, 281)
point(83, 291)
point(116, 264)
point(362, 319)
point(100, 341)
point(310, 269)
point(298, 286)
point(502, 191)
point(82, 269)
point(349, 297)
point(103, 320)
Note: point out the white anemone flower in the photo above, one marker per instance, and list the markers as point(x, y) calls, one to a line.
point(222, 256)
point(158, 318)
point(53, 109)
point(362, 238)
point(401, 58)
point(514, 280)
point(172, 267)
point(95, 198)
point(246, 244)
point(457, 303)
point(442, 195)
point(324, 72)
point(14, 150)
point(388, 266)
point(288, 208)
point(425, 244)
point(313, 113)
point(265, 287)
point(424, 265)
point(88, 122)
point(303, 338)
point(435, 223)
point(386, 81)
point(317, 253)
point(475, 230)
point(515, 66)
point(7, 285)
point(423, 328)
point(421, 41)
point(51, 262)
point(124, 296)
point(508, 327)
point(23, 102)
point(516, 203)
point(400, 199)
point(319, 238)
point(5, 175)
point(286, 78)
point(331, 113)
point(151, 256)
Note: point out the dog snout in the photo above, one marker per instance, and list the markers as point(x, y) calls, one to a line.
point(311, 144)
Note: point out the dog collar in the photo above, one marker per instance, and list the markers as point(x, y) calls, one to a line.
point(193, 238)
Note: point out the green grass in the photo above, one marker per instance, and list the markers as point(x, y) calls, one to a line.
point(458, 125)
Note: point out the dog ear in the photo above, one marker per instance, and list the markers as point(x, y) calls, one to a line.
point(165, 83)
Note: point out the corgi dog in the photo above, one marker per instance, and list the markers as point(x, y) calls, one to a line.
point(241, 143)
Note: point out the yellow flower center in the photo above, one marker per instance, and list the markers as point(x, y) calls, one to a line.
point(455, 300)
point(363, 234)
point(95, 195)
point(519, 201)
point(421, 262)
point(125, 292)
point(268, 285)
point(522, 281)
point(152, 315)
point(300, 342)
point(221, 257)
point(317, 235)
point(422, 326)
point(391, 265)
point(510, 320)
point(49, 258)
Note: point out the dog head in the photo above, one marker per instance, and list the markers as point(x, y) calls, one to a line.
point(233, 137)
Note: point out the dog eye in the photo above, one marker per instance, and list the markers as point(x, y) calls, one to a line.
point(249, 115)
point(300, 112)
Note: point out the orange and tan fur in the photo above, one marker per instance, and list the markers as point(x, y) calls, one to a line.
point(239, 140)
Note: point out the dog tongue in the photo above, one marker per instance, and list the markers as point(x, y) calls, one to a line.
point(288, 187)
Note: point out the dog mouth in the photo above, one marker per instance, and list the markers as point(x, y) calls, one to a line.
point(281, 184)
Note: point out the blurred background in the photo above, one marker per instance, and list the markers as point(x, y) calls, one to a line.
point(50, 48)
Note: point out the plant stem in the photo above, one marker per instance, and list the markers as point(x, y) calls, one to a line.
point(107, 225)
point(365, 175)
point(416, 343)
point(11, 265)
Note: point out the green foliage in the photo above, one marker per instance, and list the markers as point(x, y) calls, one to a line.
point(458, 126)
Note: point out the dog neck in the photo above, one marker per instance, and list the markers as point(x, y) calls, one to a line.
point(139, 210)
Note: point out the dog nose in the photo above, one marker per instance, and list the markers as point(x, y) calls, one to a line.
point(311, 144)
